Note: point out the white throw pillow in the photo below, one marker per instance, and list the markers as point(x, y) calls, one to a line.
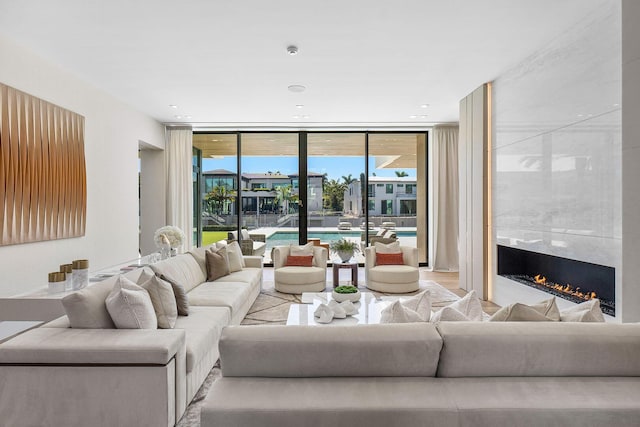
point(304, 250)
point(130, 306)
point(163, 300)
point(245, 234)
point(588, 311)
point(236, 260)
point(469, 306)
point(391, 248)
point(546, 310)
point(448, 314)
point(420, 303)
point(398, 313)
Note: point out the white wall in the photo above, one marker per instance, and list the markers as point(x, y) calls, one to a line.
point(557, 151)
point(113, 131)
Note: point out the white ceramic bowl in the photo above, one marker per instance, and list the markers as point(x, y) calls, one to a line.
point(346, 297)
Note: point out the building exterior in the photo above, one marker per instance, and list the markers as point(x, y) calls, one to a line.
point(393, 196)
point(264, 193)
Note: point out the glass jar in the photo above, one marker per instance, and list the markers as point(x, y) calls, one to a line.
point(67, 269)
point(80, 274)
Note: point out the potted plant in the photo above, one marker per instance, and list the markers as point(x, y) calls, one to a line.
point(344, 248)
point(344, 293)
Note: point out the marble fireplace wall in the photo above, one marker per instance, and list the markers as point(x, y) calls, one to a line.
point(556, 155)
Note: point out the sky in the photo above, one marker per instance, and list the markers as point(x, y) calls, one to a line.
point(334, 167)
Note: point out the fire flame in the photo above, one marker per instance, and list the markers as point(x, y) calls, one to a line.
point(565, 289)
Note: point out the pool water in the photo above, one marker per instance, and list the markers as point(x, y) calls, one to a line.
point(285, 238)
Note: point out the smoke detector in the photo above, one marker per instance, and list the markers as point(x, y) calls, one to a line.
point(292, 50)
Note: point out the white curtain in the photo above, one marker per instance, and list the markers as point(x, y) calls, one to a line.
point(445, 198)
point(179, 150)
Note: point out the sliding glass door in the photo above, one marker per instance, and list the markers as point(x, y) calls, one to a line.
point(289, 187)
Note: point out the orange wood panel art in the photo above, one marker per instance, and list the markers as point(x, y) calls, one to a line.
point(43, 184)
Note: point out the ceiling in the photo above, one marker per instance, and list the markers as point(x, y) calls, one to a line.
point(225, 63)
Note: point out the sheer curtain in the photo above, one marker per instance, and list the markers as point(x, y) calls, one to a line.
point(445, 198)
point(180, 182)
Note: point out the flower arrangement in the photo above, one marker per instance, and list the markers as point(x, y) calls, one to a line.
point(168, 234)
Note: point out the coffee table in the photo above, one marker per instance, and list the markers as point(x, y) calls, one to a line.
point(369, 308)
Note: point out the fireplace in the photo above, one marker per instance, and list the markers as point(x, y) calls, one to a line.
point(573, 280)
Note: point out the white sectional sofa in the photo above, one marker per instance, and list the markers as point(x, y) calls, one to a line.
point(475, 374)
point(56, 375)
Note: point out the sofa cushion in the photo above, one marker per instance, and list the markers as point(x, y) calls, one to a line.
point(217, 261)
point(183, 270)
point(298, 275)
point(409, 349)
point(202, 328)
point(247, 275)
point(163, 300)
point(199, 255)
point(486, 349)
point(220, 294)
point(86, 308)
point(394, 274)
point(130, 306)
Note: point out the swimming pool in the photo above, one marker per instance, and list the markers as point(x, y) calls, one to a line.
point(284, 238)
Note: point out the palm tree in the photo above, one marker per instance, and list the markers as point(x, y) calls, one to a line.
point(283, 197)
point(348, 179)
point(217, 198)
point(400, 174)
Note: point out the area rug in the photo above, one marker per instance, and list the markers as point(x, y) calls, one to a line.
point(272, 308)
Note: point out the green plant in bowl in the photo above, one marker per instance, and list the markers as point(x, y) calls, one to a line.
point(344, 248)
point(346, 289)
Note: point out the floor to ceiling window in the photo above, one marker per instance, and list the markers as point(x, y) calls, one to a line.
point(294, 186)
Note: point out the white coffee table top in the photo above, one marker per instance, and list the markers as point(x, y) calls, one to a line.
point(369, 309)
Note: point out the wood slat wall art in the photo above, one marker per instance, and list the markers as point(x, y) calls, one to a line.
point(43, 188)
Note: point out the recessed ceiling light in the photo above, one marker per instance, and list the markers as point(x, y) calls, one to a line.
point(178, 117)
point(215, 140)
point(296, 116)
point(305, 116)
point(413, 116)
point(616, 105)
point(173, 106)
point(297, 88)
point(292, 50)
point(580, 115)
point(187, 117)
point(299, 106)
point(423, 116)
point(424, 105)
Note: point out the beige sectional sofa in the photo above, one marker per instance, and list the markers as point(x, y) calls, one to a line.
point(451, 374)
point(56, 375)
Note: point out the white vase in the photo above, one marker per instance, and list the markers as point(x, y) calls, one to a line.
point(345, 256)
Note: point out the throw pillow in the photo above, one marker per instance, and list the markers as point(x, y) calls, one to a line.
point(299, 261)
point(130, 306)
point(469, 306)
point(86, 309)
point(448, 314)
point(389, 259)
point(217, 262)
point(391, 248)
point(182, 301)
point(543, 311)
point(236, 261)
point(398, 313)
point(145, 275)
point(420, 303)
point(588, 311)
point(245, 234)
point(301, 250)
point(163, 300)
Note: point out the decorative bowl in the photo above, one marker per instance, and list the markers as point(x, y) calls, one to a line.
point(353, 297)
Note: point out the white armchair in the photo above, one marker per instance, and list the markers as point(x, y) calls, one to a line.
point(396, 279)
point(296, 280)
